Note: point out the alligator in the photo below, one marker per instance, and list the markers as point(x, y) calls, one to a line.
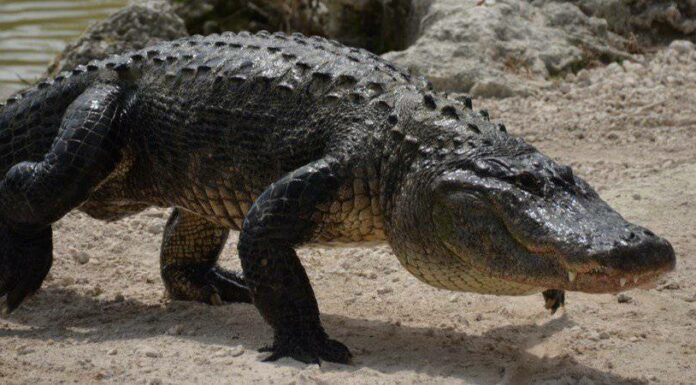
point(299, 141)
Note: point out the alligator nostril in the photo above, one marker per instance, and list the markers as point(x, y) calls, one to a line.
point(632, 236)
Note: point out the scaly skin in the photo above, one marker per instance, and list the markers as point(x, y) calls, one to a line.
point(293, 141)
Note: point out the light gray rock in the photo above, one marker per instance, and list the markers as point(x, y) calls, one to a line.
point(506, 47)
point(682, 46)
point(655, 21)
point(133, 27)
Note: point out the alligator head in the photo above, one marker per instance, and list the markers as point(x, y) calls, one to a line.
point(480, 210)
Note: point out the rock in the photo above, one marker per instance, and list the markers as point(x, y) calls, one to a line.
point(95, 291)
point(155, 228)
point(81, 257)
point(175, 330)
point(494, 89)
point(149, 351)
point(384, 290)
point(135, 26)
point(614, 68)
point(653, 21)
point(505, 48)
point(565, 88)
point(24, 350)
point(237, 351)
point(112, 352)
point(682, 46)
point(593, 336)
point(631, 66)
point(584, 76)
point(500, 49)
point(623, 298)
point(670, 286)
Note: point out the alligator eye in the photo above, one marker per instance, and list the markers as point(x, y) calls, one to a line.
point(530, 183)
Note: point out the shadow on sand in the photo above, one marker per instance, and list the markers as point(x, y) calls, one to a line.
point(498, 356)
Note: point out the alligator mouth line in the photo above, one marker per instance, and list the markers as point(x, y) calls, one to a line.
point(592, 278)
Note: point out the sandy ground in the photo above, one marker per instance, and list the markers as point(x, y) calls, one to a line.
point(102, 316)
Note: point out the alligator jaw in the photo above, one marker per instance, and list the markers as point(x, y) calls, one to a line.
point(612, 282)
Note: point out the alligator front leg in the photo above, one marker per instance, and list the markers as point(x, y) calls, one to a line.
point(283, 217)
point(190, 249)
point(553, 299)
point(35, 194)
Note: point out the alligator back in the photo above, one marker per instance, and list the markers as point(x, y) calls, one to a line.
point(245, 109)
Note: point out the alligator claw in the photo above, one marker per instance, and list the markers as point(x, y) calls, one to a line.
point(553, 299)
point(309, 350)
point(25, 259)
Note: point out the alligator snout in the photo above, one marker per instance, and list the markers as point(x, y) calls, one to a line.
point(633, 258)
point(640, 251)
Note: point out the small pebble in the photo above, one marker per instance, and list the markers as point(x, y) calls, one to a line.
point(150, 352)
point(95, 291)
point(175, 330)
point(670, 286)
point(593, 336)
point(81, 257)
point(237, 351)
point(623, 298)
point(155, 228)
point(384, 290)
point(112, 352)
point(681, 46)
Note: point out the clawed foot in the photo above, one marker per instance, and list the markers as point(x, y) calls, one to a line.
point(310, 349)
point(25, 259)
point(213, 286)
point(553, 299)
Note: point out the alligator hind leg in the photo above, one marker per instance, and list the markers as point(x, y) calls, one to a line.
point(35, 194)
point(190, 250)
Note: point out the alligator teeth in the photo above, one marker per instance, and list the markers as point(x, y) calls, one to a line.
point(622, 282)
point(635, 279)
point(571, 276)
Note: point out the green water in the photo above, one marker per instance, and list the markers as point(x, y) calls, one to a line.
point(32, 32)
